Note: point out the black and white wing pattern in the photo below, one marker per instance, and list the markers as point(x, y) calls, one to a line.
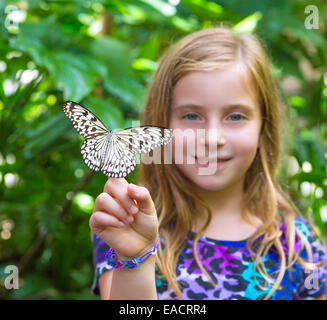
point(84, 121)
point(113, 152)
point(143, 139)
point(119, 161)
point(92, 129)
point(92, 150)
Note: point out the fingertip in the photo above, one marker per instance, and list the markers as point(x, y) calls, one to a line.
point(121, 224)
point(123, 181)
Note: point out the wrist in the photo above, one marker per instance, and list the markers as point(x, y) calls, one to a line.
point(118, 262)
point(140, 253)
point(147, 264)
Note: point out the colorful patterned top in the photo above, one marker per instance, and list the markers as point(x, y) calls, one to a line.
point(231, 267)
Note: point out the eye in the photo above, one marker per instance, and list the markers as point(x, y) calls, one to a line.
point(191, 116)
point(236, 117)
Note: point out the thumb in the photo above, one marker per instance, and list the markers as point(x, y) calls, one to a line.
point(142, 197)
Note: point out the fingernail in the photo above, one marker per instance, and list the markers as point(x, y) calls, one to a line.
point(121, 224)
point(130, 219)
point(133, 209)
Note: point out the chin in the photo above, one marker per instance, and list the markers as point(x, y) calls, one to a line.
point(209, 183)
point(215, 182)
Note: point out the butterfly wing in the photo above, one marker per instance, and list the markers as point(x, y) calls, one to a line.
point(92, 150)
point(119, 160)
point(113, 151)
point(84, 121)
point(143, 139)
point(92, 129)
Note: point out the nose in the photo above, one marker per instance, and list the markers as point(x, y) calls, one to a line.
point(213, 136)
point(211, 140)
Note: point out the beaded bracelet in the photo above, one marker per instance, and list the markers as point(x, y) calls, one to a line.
point(129, 264)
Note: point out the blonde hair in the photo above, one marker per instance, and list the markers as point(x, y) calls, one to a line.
point(175, 199)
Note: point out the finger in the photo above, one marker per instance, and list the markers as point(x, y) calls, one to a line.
point(142, 197)
point(101, 220)
point(117, 188)
point(107, 187)
point(104, 202)
point(114, 181)
point(120, 180)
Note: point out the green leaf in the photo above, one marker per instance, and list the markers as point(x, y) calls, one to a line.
point(45, 33)
point(296, 101)
point(145, 64)
point(163, 7)
point(33, 286)
point(128, 89)
point(120, 79)
point(249, 24)
point(114, 53)
point(43, 136)
point(107, 112)
point(73, 75)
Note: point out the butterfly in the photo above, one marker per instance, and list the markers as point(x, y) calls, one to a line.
point(113, 151)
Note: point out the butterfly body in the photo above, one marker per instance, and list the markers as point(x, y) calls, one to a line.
point(113, 152)
point(105, 150)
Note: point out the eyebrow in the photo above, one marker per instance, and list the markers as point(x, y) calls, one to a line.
point(229, 107)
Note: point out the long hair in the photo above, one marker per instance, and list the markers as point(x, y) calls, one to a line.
point(175, 198)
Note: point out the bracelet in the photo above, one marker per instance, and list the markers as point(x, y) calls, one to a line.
point(129, 264)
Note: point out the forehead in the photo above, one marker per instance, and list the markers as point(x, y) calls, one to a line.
point(217, 87)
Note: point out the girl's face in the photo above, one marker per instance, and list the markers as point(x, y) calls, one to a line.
point(216, 120)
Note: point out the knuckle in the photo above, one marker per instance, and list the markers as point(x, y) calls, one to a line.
point(111, 183)
point(92, 221)
point(107, 185)
point(94, 217)
point(122, 192)
point(144, 191)
point(95, 220)
point(102, 198)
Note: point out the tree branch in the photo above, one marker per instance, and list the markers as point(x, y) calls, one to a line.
point(86, 178)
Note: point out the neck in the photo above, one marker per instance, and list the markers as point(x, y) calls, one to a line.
point(227, 222)
point(226, 202)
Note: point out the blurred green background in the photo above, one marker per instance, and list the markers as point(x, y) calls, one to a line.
point(102, 54)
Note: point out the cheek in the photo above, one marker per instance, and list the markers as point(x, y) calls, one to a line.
point(245, 142)
point(183, 145)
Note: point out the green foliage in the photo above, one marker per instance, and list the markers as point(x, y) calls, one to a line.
point(102, 54)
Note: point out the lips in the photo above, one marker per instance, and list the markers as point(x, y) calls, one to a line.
point(211, 162)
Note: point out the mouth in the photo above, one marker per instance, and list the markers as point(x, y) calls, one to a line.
point(217, 162)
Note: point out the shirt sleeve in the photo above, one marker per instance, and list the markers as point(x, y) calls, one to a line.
point(100, 261)
point(314, 284)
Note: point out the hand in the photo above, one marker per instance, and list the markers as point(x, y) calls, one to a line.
point(129, 234)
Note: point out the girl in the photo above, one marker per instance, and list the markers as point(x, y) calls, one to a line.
point(226, 229)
